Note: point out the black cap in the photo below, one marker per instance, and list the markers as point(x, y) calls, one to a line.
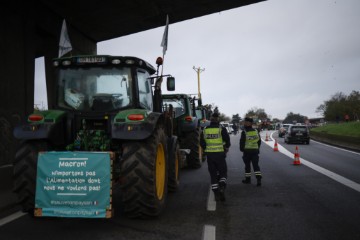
point(215, 115)
point(247, 119)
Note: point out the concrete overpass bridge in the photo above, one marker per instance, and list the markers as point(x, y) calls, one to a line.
point(31, 29)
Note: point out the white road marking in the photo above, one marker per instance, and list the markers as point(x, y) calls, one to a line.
point(11, 218)
point(211, 203)
point(345, 181)
point(6, 166)
point(209, 232)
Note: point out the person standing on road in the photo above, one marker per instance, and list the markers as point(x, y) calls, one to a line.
point(250, 142)
point(347, 118)
point(215, 141)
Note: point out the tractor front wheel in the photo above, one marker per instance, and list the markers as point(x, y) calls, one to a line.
point(143, 173)
point(174, 161)
point(192, 141)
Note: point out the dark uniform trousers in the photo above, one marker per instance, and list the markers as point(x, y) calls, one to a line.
point(251, 158)
point(217, 169)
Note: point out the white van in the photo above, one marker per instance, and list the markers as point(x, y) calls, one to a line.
point(227, 126)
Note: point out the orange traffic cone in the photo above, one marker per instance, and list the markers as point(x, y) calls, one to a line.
point(276, 149)
point(296, 156)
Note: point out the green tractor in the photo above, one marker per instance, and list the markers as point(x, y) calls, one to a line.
point(202, 113)
point(186, 126)
point(107, 104)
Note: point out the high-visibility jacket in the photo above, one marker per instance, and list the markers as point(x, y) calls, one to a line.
point(251, 141)
point(213, 139)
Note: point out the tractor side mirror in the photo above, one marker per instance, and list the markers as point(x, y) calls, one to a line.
point(170, 83)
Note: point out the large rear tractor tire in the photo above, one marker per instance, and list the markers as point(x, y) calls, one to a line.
point(25, 169)
point(174, 166)
point(192, 141)
point(143, 174)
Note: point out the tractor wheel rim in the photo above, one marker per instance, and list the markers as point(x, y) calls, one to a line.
point(200, 154)
point(160, 171)
point(176, 165)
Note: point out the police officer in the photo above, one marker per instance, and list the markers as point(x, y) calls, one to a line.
point(250, 142)
point(215, 141)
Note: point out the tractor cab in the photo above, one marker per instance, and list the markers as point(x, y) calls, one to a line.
point(103, 83)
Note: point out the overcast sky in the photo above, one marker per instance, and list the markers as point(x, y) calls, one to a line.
point(280, 55)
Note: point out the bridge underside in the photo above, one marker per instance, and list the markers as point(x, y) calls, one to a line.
point(31, 29)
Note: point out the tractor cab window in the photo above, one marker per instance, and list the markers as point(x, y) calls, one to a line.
point(178, 105)
point(199, 113)
point(94, 89)
point(145, 91)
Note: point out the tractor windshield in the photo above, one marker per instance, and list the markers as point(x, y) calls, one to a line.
point(95, 89)
point(178, 105)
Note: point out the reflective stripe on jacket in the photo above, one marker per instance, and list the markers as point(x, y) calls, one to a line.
point(251, 141)
point(213, 139)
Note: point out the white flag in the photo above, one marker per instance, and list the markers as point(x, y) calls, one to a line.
point(64, 44)
point(164, 42)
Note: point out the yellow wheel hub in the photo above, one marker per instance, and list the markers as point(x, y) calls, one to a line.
point(160, 171)
point(177, 165)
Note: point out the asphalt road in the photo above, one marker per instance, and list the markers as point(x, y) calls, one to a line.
point(294, 202)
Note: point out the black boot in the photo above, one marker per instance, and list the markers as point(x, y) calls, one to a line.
point(258, 181)
point(222, 191)
point(247, 180)
point(217, 195)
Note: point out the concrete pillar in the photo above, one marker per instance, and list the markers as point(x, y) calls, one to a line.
point(16, 77)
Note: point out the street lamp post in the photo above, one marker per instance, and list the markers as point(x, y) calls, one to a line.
point(198, 71)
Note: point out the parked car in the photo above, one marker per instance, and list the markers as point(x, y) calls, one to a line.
point(283, 128)
point(297, 133)
point(227, 126)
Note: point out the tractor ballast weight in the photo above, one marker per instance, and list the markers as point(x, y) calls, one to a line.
point(105, 104)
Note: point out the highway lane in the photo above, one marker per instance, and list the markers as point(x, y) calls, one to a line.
point(295, 202)
point(343, 162)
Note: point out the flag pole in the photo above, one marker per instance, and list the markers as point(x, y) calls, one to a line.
point(162, 66)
